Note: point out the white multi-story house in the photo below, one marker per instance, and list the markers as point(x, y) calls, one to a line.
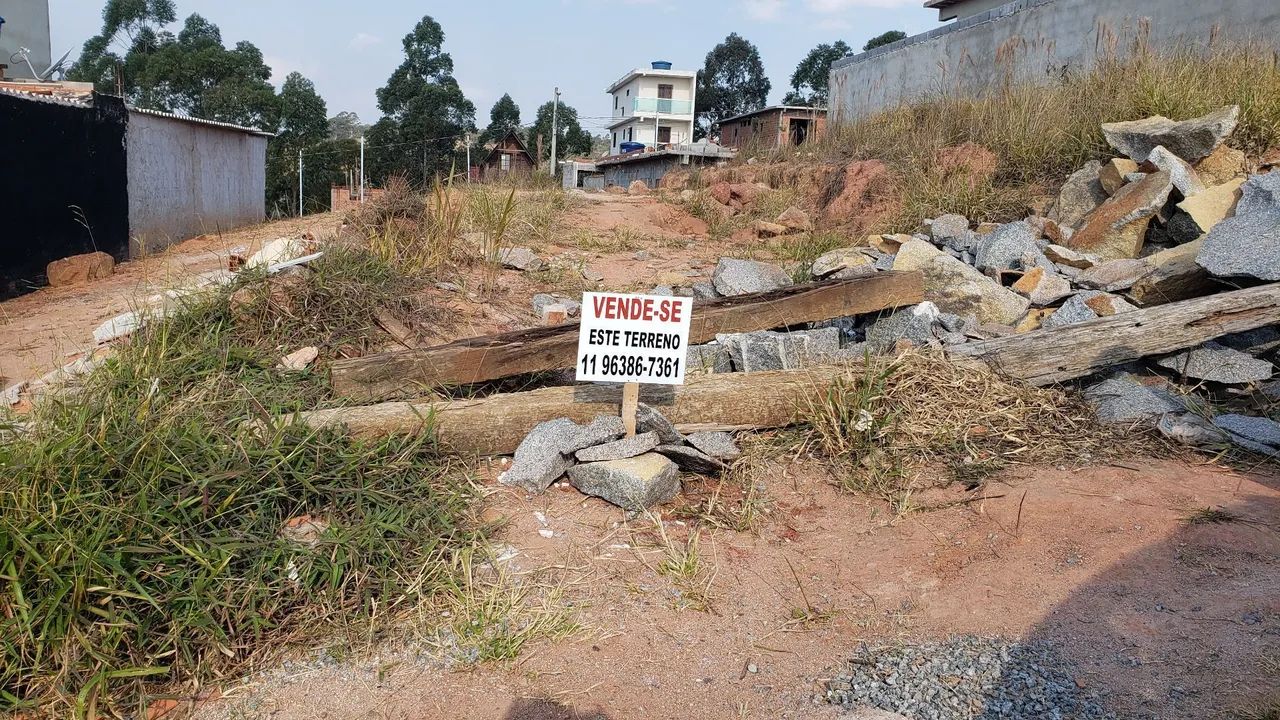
point(652, 107)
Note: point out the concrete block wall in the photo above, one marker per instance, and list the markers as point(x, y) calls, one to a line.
point(1036, 40)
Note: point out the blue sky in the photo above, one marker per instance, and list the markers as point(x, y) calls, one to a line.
point(524, 47)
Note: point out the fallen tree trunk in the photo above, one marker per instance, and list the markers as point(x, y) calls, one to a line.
point(407, 372)
point(1047, 356)
point(495, 425)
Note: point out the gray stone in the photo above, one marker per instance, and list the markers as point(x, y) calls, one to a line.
point(1218, 363)
point(1190, 140)
point(958, 288)
point(956, 323)
point(619, 449)
point(1181, 174)
point(650, 420)
point(1123, 399)
point(704, 290)
point(692, 460)
point(1080, 195)
point(1254, 342)
point(842, 260)
point(1065, 256)
point(519, 258)
point(602, 429)
point(1190, 429)
point(1084, 306)
point(712, 358)
point(1259, 193)
point(1115, 275)
point(1244, 246)
point(952, 231)
point(913, 323)
point(733, 276)
point(542, 300)
point(884, 262)
point(633, 483)
point(591, 275)
point(540, 457)
point(1042, 287)
point(859, 271)
point(1005, 248)
point(1182, 228)
point(768, 350)
point(666, 290)
point(717, 444)
point(1255, 433)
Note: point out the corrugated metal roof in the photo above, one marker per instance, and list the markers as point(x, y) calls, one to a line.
point(797, 108)
point(83, 101)
point(199, 121)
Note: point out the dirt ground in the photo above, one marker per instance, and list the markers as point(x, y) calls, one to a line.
point(1164, 617)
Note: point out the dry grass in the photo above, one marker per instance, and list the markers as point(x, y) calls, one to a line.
point(888, 426)
point(1042, 133)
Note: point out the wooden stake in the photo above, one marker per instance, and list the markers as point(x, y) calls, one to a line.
point(630, 398)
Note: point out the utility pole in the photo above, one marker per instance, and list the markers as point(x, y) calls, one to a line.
point(361, 169)
point(299, 183)
point(555, 130)
point(467, 139)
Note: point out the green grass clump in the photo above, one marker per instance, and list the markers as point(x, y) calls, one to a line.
point(140, 521)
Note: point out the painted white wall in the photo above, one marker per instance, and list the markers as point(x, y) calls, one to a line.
point(642, 130)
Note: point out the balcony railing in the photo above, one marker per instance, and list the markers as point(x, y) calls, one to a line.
point(662, 106)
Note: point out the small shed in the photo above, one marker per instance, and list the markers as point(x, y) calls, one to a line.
point(772, 127)
point(508, 156)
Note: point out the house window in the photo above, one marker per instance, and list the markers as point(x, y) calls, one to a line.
point(615, 138)
point(664, 92)
point(615, 102)
point(664, 134)
point(504, 163)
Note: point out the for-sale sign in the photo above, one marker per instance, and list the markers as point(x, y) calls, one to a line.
point(633, 338)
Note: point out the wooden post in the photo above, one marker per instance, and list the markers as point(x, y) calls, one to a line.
point(630, 399)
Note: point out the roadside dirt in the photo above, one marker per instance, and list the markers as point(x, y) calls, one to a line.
point(45, 329)
point(1164, 618)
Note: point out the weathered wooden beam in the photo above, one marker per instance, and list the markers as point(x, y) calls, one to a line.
point(495, 425)
point(1047, 356)
point(400, 373)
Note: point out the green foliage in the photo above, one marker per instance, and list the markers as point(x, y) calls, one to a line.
point(891, 36)
point(809, 81)
point(346, 125)
point(303, 126)
point(425, 112)
point(141, 520)
point(731, 82)
point(571, 139)
point(504, 116)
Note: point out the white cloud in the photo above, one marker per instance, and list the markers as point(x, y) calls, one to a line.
point(763, 10)
point(827, 7)
point(363, 40)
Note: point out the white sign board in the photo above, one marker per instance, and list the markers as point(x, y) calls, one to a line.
point(633, 338)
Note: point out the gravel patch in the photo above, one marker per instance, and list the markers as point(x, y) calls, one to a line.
point(962, 678)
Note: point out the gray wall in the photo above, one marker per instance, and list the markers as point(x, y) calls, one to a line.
point(186, 179)
point(26, 24)
point(1035, 40)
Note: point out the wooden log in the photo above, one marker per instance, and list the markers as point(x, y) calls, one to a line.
point(495, 425)
point(408, 372)
point(1047, 356)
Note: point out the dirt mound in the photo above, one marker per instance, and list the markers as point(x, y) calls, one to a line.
point(968, 162)
point(860, 196)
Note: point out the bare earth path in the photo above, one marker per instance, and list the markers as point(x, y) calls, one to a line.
point(1165, 618)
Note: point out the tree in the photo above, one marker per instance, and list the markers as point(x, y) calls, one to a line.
point(132, 26)
point(424, 110)
point(503, 116)
point(809, 81)
point(571, 139)
point(303, 126)
point(884, 39)
point(731, 82)
point(346, 125)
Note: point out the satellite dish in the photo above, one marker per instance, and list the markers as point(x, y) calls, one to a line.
point(57, 67)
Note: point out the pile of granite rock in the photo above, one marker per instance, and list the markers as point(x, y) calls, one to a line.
point(1177, 214)
point(632, 472)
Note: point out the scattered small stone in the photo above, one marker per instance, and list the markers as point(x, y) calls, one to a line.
point(619, 449)
point(633, 483)
point(637, 187)
point(542, 300)
point(80, 269)
point(952, 231)
point(1114, 275)
point(643, 255)
point(299, 359)
point(793, 218)
point(733, 276)
point(717, 444)
point(519, 258)
point(1006, 248)
point(603, 429)
point(1190, 140)
point(540, 458)
point(591, 275)
point(693, 460)
point(1061, 256)
point(1123, 398)
point(1041, 287)
point(1080, 195)
point(1112, 175)
point(1087, 305)
point(665, 290)
point(650, 420)
point(840, 259)
point(1218, 363)
point(766, 229)
point(448, 286)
